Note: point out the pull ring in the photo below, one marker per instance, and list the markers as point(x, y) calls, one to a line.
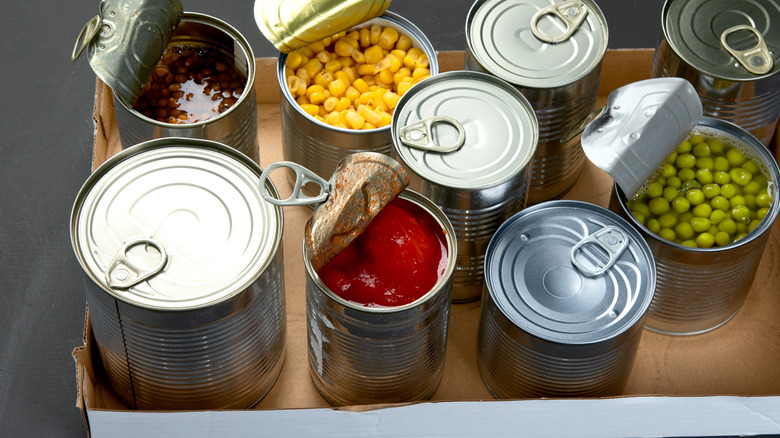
point(85, 36)
point(572, 13)
point(122, 274)
point(757, 59)
point(610, 239)
point(419, 135)
point(302, 177)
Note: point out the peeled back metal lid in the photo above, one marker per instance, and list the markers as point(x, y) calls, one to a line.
point(537, 43)
point(126, 40)
point(175, 224)
point(570, 272)
point(734, 40)
point(465, 130)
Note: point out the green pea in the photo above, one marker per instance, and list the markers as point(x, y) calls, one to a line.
point(695, 139)
point(685, 217)
point(661, 180)
point(741, 214)
point(728, 226)
point(670, 193)
point(736, 201)
point(702, 210)
point(653, 225)
point(684, 147)
point(735, 157)
point(716, 146)
point(742, 228)
point(667, 233)
point(739, 236)
point(717, 216)
point(753, 187)
point(686, 175)
point(701, 150)
point(700, 224)
point(658, 206)
point(680, 204)
point(705, 240)
point(639, 207)
point(639, 217)
point(684, 230)
point(705, 163)
point(690, 184)
point(753, 225)
point(655, 190)
point(740, 176)
point(694, 196)
point(704, 176)
point(667, 220)
point(722, 238)
point(674, 181)
point(690, 243)
point(750, 201)
point(671, 158)
point(713, 230)
point(728, 191)
point(668, 170)
point(685, 161)
point(720, 177)
point(751, 166)
point(711, 190)
point(762, 212)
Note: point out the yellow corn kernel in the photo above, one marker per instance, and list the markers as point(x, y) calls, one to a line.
point(365, 37)
point(400, 54)
point(376, 32)
point(343, 104)
point(384, 78)
point(370, 116)
point(320, 118)
point(359, 57)
point(351, 74)
point(373, 54)
point(412, 55)
point(360, 85)
point(355, 35)
point(421, 78)
point(341, 125)
point(391, 99)
point(343, 117)
point(321, 115)
point(314, 89)
point(419, 72)
point(367, 126)
point(304, 75)
point(405, 85)
point(346, 61)
point(404, 42)
point(310, 109)
point(402, 73)
point(365, 69)
point(385, 118)
point(333, 66)
point(388, 38)
point(314, 66)
point(323, 78)
point(390, 63)
point(306, 52)
point(316, 47)
point(335, 37)
point(294, 60)
point(302, 100)
point(330, 103)
point(288, 72)
point(337, 87)
point(317, 97)
point(326, 41)
point(324, 57)
point(354, 120)
point(422, 61)
point(296, 85)
point(345, 46)
point(352, 93)
point(366, 98)
point(369, 80)
point(332, 118)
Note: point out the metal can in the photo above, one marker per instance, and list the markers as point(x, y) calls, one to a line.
point(467, 140)
point(318, 146)
point(552, 53)
point(700, 289)
point(126, 41)
point(568, 285)
point(730, 52)
point(185, 275)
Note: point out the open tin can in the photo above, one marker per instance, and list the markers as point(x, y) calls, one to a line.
point(185, 275)
point(126, 41)
point(568, 285)
point(552, 52)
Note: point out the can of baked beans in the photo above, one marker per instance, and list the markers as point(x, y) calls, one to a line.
point(185, 285)
point(174, 73)
point(568, 285)
point(552, 52)
point(730, 52)
point(468, 140)
point(320, 146)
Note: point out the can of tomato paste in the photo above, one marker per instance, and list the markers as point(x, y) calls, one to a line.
point(568, 285)
point(468, 140)
point(730, 52)
point(174, 73)
point(319, 146)
point(552, 52)
point(361, 352)
point(185, 273)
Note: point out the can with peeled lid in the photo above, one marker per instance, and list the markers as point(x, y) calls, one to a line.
point(185, 268)
point(568, 285)
point(468, 141)
point(552, 52)
point(730, 52)
point(136, 46)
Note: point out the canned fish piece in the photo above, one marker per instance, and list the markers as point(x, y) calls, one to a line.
point(319, 146)
point(567, 288)
point(467, 140)
point(185, 268)
point(730, 52)
point(552, 52)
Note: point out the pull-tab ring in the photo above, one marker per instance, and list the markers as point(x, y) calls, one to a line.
point(756, 60)
point(302, 177)
point(572, 13)
point(123, 274)
point(419, 135)
point(85, 36)
point(610, 239)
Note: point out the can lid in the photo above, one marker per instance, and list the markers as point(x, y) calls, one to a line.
point(292, 24)
point(531, 43)
point(570, 272)
point(465, 130)
point(126, 40)
point(179, 225)
point(739, 41)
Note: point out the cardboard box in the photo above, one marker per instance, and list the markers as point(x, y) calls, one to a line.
point(726, 382)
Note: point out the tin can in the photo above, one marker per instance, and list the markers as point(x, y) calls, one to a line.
point(557, 68)
point(700, 289)
point(568, 285)
point(730, 52)
point(318, 146)
point(467, 140)
point(126, 41)
point(185, 275)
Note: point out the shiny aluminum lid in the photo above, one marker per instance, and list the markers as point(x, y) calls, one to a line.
point(174, 224)
point(465, 130)
point(570, 272)
point(537, 43)
point(735, 40)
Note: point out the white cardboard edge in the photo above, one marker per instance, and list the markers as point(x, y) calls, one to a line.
point(614, 417)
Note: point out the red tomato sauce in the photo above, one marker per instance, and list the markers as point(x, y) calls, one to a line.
point(397, 259)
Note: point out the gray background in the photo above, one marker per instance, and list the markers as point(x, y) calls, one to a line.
point(45, 156)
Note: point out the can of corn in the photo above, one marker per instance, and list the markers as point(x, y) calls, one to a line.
point(552, 52)
point(730, 52)
point(468, 140)
point(185, 276)
point(174, 73)
point(568, 285)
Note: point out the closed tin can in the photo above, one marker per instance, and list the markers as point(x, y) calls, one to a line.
point(185, 269)
point(365, 355)
point(700, 289)
point(567, 287)
point(126, 41)
point(319, 146)
point(467, 140)
point(557, 68)
point(730, 52)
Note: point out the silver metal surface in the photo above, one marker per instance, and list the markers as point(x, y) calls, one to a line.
point(550, 327)
point(483, 182)
point(199, 320)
